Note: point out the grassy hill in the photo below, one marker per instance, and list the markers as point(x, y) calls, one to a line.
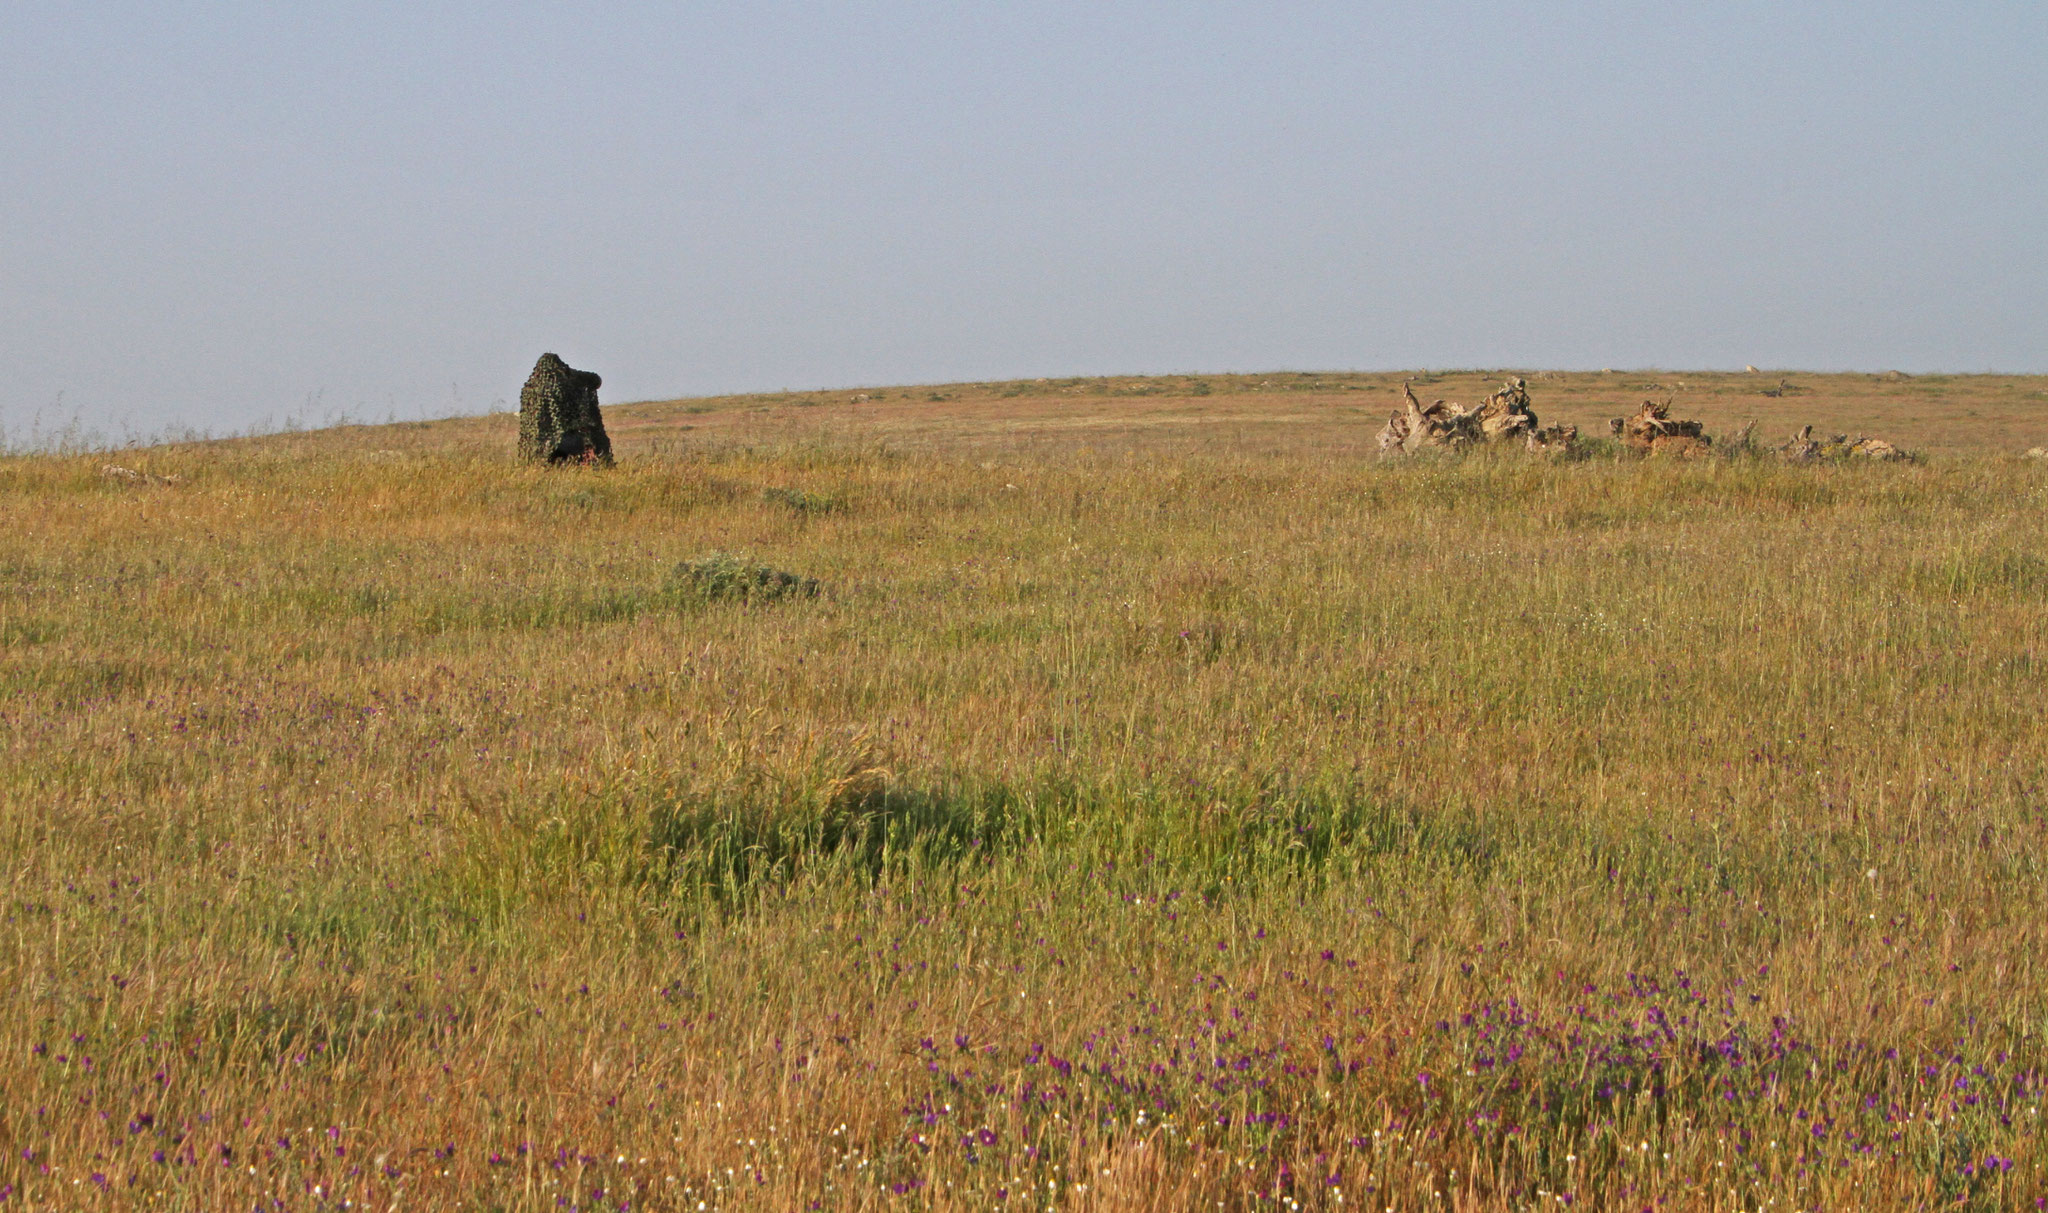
point(1162, 803)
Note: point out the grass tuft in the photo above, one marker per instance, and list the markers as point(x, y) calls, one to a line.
point(722, 577)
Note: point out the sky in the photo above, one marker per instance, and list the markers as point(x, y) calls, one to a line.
point(227, 216)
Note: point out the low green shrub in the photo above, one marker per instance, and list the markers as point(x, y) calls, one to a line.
point(721, 576)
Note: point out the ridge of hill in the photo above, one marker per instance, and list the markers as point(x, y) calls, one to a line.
point(1280, 410)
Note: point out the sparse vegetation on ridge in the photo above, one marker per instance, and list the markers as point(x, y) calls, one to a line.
point(1247, 823)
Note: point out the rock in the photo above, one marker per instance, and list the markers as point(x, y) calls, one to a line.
point(1651, 431)
point(559, 420)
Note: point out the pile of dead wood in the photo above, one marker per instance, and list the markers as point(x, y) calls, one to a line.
point(1805, 448)
point(1651, 430)
point(1504, 416)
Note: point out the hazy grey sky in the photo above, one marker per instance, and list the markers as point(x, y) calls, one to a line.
point(212, 214)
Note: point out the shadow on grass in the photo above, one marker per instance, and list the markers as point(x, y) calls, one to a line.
point(864, 826)
point(305, 1026)
point(860, 825)
point(1982, 574)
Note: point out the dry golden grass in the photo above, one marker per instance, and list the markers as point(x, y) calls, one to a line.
point(1339, 413)
point(1163, 805)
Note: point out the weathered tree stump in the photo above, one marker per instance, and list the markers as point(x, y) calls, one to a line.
point(1504, 416)
point(1441, 425)
point(1506, 413)
point(1650, 430)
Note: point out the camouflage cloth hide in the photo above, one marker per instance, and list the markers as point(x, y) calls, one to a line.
point(558, 417)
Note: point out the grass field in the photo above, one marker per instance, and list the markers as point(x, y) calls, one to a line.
point(1163, 804)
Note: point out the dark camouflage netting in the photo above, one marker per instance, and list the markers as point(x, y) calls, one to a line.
point(558, 417)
